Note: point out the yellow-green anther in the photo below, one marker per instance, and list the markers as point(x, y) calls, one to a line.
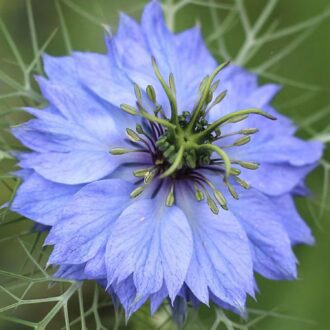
point(231, 190)
point(248, 131)
point(248, 165)
point(203, 84)
point(137, 191)
point(172, 83)
point(220, 199)
point(212, 205)
point(151, 93)
point(215, 86)
point(219, 98)
point(170, 197)
point(140, 173)
point(137, 92)
point(198, 193)
point(243, 183)
point(209, 97)
point(235, 171)
point(139, 129)
point(123, 151)
point(127, 108)
point(242, 141)
point(237, 119)
point(149, 176)
point(132, 135)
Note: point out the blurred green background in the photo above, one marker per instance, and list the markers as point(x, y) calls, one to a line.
point(291, 47)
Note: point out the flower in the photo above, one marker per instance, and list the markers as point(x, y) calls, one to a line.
point(158, 180)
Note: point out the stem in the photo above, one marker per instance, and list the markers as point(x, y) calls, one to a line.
point(176, 163)
point(168, 91)
point(230, 116)
point(204, 96)
point(221, 153)
point(154, 119)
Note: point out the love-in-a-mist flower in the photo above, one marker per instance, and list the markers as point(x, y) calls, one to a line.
point(161, 174)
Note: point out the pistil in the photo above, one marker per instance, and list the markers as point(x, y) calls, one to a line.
point(182, 146)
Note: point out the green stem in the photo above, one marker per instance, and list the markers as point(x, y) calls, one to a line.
point(168, 91)
point(204, 96)
point(221, 153)
point(176, 163)
point(228, 117)
point(155, 119)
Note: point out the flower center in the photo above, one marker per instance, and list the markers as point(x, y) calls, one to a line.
point(184, 144)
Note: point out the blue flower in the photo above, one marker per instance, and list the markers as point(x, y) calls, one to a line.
point(156, 179)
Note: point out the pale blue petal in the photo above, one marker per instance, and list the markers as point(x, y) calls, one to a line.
point(221, 260)
point(86, 221)
point(270, 244)
point(127, 295)
point(297, 229)
point(153, 242)
point(42, 200)
point(73, 167)
point(276, 179)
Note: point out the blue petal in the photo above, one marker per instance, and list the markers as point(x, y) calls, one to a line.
point(270, 244)
point(42, 200)
point(100, 74)
point(86, 221)
point(82, 108)
point(276, 179)
point(95, 267)
point(221, 259)
point(73, 167)
point(195, 62)
point(294, 225)
point(161, 42)
point(61, 68)
point(156, 299)
point(281, 149)
point(127, 294)
point(153, 242)
point(71, 272)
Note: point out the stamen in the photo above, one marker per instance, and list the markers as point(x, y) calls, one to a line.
point(141, 172)
point(217, 194)
point(137, 191)
point(122, 151)
point(151, 93)
point(138, 92)
point(198, 193)
point(170, 197)
point(231, 189)
point(134, 137)
point(247, 165)
point(242, 183)
point(149, 176)
point(217, 100)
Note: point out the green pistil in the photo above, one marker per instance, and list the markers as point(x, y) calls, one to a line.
point(184, 143)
